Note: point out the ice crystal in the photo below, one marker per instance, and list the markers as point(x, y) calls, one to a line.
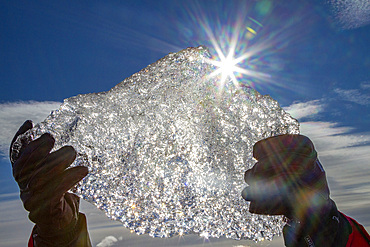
point(167, 149)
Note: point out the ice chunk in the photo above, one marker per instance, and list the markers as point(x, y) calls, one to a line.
point(167, 149)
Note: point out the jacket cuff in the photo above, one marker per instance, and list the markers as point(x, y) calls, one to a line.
point(74, 235)
point(318, 230)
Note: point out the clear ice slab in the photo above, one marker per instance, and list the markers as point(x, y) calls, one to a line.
point(167, 149)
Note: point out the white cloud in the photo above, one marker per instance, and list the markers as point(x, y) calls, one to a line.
point(331, 137)
point(353, 95)
point(12, 116)
point(365, 85)
point(305, 109)
point(351, 14)
point(107, 241)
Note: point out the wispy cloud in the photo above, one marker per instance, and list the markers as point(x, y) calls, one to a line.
point(302, 110)
point(12, 115)
point(351, 14)
point(365, 85)
point(354, 95)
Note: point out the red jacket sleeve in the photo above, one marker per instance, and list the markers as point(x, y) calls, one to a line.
point(30, 241)
point(358, 236)
point(332, 229)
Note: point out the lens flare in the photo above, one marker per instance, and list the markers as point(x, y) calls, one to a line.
point(251, 30)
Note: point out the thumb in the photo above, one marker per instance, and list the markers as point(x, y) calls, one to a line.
point(246, 194)
point(264, 190)
point(267, 202)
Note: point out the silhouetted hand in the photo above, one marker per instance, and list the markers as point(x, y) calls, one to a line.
point(289, 180)
point(44, 180)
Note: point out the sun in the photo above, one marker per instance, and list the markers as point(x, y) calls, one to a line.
point(227, 67)
point(234, 63)
point(236, 56)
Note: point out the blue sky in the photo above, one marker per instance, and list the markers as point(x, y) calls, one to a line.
point(316, 55)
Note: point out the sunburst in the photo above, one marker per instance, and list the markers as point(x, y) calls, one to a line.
point(227, 66)
point(230, 67)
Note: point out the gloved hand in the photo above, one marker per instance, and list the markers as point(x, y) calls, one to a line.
point(289, 180)
point(44, 180)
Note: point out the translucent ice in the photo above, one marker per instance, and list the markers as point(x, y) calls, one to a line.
point(167, 149)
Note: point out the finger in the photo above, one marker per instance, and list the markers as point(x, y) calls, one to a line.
point(31, 157)
point(248, 175)
point(248, 194)
point(73, 201)
point(53, 166)
point(288, 143)
point(25, 126)
point(52, 192)
point(269, 171)
point(276, 207)
point(259, 171)
point(265, 202)
point(70, 178)
point(60, 160)
point(290, 164)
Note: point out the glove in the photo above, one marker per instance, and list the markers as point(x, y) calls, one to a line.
point(287, 177)
point(289, 180)
point(43, 180)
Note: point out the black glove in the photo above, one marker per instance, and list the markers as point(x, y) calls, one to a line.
point(44, 180)
point(289, 180)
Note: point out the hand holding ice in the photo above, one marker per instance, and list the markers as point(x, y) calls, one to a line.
point(167, 149)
